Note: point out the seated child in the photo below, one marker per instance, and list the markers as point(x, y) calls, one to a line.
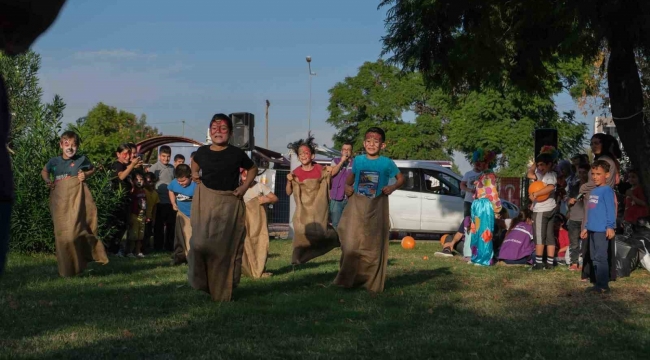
point(562, 240)
point(457, 243)
point(181, 192)
point(256, 246)
point(518, 246)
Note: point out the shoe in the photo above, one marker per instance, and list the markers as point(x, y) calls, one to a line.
point(597, 290)
point(120, 254)
point(130, 255)
point(538, 266)
point(445, 252)
point(140, 256)
point(550, 266)
point(573, 267)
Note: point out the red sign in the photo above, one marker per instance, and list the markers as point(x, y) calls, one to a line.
point(510, 189)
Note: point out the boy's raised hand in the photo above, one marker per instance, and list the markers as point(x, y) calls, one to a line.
point(583, 234)
point(610, 234)
point(81, 176)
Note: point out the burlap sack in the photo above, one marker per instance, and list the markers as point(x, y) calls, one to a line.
point(256, 246)
point(217, 243)
point(75, 227)
point(182, 235)
point(313, 236)
point(363, 232)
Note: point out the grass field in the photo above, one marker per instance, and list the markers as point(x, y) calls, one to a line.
point(431, 308)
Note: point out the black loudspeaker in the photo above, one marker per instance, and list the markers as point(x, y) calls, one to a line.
point(243, 131)
point(544, 137)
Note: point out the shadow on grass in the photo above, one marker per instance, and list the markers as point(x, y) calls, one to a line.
point(310, 265)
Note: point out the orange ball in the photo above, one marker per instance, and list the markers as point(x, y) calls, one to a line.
point(443, 238)
point(535, 187)
point(408, 243)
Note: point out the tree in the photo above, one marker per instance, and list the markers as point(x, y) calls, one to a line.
point(105, 127)
point(21, 79)
point(464, 44)
point(379, 96)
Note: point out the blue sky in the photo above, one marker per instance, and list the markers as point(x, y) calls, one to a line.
point(187, 60)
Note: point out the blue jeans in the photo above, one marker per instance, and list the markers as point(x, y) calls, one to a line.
point(336, 210)
point(598, 246)
point(5, 223)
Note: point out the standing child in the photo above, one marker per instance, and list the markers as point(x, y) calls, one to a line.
point(518, 246)
point(152, 200)
point(181, 192)
point(256, 246)
point(468, 185)
point(485, 209)
point(218, 213)
point(576, 215)
point(163, 233)
point(73, 209)
point(178, 159)
point(544, 211)
point(365, 225)
point(601, 221)
point(309, 184)
point(138, 217)
point(635, 203)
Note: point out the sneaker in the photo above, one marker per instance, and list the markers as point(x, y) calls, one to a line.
point(550, 266)
point(130, 255)
point(445, 252)
point(538, 266)
point(573, 267)
point(140, 256)
point(120, 254)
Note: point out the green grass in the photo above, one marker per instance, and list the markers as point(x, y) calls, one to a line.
point(431, 308)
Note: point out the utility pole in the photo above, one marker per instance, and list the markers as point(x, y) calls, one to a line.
point(268, 104)
point(183, 121)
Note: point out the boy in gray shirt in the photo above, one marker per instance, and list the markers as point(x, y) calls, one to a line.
point(165, 221)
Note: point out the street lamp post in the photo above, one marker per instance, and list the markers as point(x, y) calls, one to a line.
point(310, 75)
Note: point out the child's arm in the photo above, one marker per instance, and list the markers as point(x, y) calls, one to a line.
point(195, 172)
point(289, 187)
point(531, 172)
point(387, 190)
point(610, 213)
point(46, 176)
point(349, 182)
point(336, 168)
point(172, 200)
point(252, 174)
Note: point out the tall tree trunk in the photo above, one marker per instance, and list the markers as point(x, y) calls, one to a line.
point(626, 98)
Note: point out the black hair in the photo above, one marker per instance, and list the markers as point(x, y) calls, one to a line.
point(165, 150)
point(602, 164)
point(609, 146)
point(182, 170)
point(584, 166)
point(71, 135)
point(524, 214)
point(192, 154)
point(222, 117)
point(123, 146)
point(377, 130)
point(151, 177)
point(179, 156)
point(139, 172)
point(309, 143)
point(544, 158)
point(347, 143)
point(132, 145)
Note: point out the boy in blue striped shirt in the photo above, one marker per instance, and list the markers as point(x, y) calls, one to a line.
point(600, 224)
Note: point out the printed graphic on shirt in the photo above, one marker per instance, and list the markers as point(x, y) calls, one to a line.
point(182, 197)
point(368, 183)
point(593, 201)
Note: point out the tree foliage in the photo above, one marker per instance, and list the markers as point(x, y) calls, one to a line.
point(380, 95)
point(105, 127)
point(466, 45)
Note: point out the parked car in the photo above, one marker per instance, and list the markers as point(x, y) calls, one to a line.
point(431, 200)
